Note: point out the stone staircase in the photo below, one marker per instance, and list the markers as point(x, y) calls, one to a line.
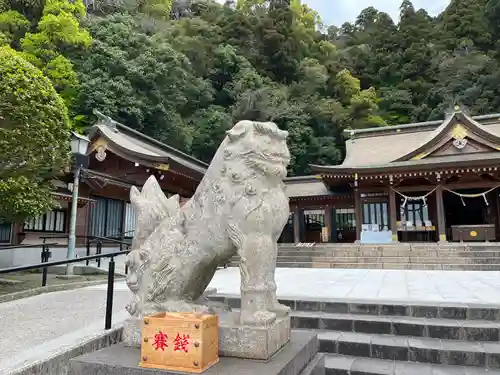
point(393, 339)
point(429, 256)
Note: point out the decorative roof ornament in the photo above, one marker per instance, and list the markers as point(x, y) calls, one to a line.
point(459, 134)
point(460, 143)
point(100, 153)
point(454, 109)
point(106, 120)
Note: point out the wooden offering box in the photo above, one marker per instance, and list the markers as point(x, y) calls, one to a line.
point(183, 342)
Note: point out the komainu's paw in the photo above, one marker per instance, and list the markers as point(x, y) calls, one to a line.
point(257, 318)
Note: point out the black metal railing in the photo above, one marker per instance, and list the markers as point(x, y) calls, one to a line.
point(44, 255)
point(98, 242)
point(45, 265)
point(13, 247)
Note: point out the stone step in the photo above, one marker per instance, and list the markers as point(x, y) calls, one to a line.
point(383, 265)
point(437, 260)
point(471, 257)
point(465, 330)
point(416, 260)
point(462, 261)
point(354, 256)
point(386, 252)
point(389, 256)
point(393, 266)
point(403, 348)
point(491, 264)
point(336, 364)
point(453, 311)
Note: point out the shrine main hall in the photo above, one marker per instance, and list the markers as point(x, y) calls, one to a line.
point(425, 182)
point(434, 181)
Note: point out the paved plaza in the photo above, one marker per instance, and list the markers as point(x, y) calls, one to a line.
point(408, 286)
point(37, 327)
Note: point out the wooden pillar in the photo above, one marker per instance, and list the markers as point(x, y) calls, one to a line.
point(83, 223)
point(333, 231)
point(358, 213)
point(302, 225)
point(296, 224)
point(497, 221)
point(16, 233)
point(328, 221)
point(393, 215)
point(124, 223)
point(441, 228)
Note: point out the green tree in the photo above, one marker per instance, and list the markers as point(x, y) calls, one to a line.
point(13, 26)
point(34, 137)
point(209, 127)
point(46, 39)
point(492, 15)
point(461, 78)
point(465, 26)
point(185, 80)
point(156, 8)
point(139, 80)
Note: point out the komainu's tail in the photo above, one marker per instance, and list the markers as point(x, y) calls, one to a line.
point(152, 207)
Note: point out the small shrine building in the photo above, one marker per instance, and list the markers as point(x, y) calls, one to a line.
point(118, 158)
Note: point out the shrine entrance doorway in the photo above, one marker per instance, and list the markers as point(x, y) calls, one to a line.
point(471, 214)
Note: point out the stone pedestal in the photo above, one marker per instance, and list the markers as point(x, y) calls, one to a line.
point(132, 331)
point(298, 357)
point(251, 342)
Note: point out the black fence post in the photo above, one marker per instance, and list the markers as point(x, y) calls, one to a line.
point(88, 251)
point(98, 251)
point(126, 264)
point(42, 254)
point(45, 259)
point(109, 297)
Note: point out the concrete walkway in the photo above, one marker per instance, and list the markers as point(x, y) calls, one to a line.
point(39, 327)
point(35, 328)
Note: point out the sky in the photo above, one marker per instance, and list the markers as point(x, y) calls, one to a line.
point(336, 12)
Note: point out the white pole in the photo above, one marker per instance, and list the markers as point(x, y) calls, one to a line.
point(72, 223)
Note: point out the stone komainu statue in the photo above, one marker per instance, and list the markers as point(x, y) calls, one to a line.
point(240, 207)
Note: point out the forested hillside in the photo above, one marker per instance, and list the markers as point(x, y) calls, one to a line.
point(184, 72)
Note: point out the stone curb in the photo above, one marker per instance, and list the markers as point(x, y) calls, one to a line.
point(48, 289)
point(59, 364)
point(316, 366)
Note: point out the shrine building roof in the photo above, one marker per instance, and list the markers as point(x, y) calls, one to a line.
point(134, 145)
point(311, 187)
point(459, 139)
point(305, 186)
